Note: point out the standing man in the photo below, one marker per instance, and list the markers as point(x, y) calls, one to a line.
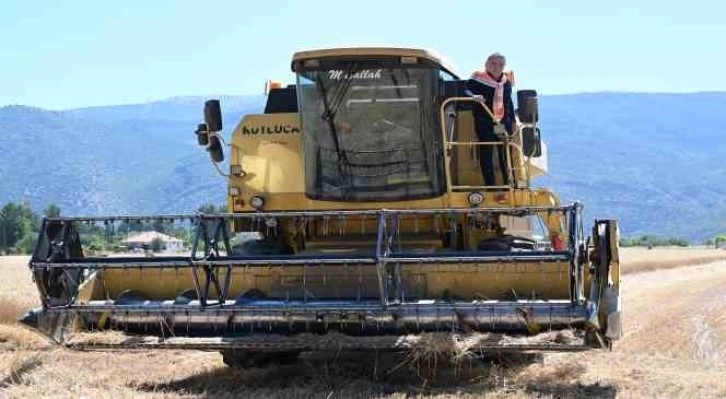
point(494, 87)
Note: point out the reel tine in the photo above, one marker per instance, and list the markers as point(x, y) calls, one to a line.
point(342, 221)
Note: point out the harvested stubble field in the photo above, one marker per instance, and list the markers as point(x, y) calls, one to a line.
point(674, 346)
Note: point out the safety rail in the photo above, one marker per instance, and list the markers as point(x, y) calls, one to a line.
point(506, 142)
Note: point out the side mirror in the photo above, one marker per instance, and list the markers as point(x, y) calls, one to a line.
point(202, 134)
point(531, 142)
point(528, 110)
point(213, 115)
point(215, 149)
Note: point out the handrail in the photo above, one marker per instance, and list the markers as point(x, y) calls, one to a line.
point(505, 142)
point(469, 99)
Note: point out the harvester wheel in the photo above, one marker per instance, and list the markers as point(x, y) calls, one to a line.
point(246, 359)
point(506, 243)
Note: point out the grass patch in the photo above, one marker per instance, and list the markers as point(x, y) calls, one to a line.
point(19, 366)
point(636, 260)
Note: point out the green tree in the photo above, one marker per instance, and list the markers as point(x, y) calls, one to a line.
point(52, 211)
point(13, 226)
point(157, 244)
point(129, 227)
point(31, 219)
point(93, 243)
point(26, 244)
point(18, 227)
point(160, 226)
point(648, 240)
point(211, 208)
point(182, 233)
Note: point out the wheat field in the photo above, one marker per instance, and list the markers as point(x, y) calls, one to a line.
point(674, 346)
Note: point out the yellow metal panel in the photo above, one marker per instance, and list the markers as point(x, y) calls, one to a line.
point(466, 170)
point(90, 288)
point(614, 235)
point(342, 52)
point(269, 148)
point(494, 281)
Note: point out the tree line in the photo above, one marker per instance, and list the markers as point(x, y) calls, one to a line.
point(648, 240)
point(20, 225)
point(718, 241)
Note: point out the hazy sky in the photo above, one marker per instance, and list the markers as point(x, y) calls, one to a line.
point(64, 54)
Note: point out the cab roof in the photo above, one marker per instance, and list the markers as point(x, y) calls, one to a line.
point(363, 52)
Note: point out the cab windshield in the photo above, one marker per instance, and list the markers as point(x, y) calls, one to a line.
point(371, 134)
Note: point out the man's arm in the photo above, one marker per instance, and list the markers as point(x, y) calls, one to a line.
point(471, 89)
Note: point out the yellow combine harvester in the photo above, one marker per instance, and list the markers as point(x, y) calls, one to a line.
point(356, 211)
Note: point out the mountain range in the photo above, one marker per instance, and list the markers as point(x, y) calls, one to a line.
point(655, 162)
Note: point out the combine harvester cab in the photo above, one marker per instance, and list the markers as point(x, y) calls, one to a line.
point(357, 219)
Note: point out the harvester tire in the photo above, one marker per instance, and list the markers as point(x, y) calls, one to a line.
point(506, 243)
point(245, 359)
point(495, 244)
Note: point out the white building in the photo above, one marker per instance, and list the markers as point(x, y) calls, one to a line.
point(144, 239)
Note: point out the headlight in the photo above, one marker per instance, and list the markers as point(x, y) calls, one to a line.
point(476, 198)
point(257, 202)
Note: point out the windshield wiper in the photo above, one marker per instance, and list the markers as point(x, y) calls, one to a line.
point(331, 110)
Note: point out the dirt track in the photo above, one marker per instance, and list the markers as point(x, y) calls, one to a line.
point(675, 346)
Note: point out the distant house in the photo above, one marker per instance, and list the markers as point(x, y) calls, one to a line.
point(144, 239)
